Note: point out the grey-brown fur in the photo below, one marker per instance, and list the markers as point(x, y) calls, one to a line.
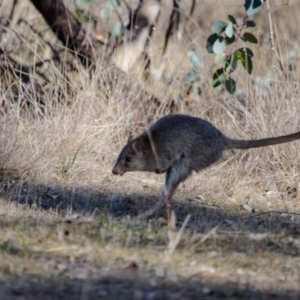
point(180, 144)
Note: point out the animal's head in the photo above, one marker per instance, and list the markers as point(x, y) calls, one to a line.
point(131, 157)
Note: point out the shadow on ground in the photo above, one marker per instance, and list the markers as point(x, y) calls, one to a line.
point(204, 216)
point(127, 286)
point(131, 282)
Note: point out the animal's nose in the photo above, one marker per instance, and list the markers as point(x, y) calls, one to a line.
point(118, 170)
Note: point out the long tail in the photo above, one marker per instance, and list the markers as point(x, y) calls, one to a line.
point(246, 144)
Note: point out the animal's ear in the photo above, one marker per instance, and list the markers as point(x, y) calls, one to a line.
point(137, 146)
point(130, 138)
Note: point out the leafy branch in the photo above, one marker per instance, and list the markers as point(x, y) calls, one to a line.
point(225, 42)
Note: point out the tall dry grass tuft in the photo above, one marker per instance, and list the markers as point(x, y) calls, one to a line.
point(76, 143)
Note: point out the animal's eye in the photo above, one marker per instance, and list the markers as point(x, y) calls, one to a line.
point(128, 159)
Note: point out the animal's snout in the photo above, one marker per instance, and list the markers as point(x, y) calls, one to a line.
point(117, 171)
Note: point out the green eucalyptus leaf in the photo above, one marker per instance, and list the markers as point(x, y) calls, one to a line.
point(216, 82)
point(191, 77)
point(229, 30)
point(82, 2)
point(246, 59)
point(247, 52)
point(238, 55)
point(218, 27)
point(210, 42)
point(231, 19)
point(117, 29)
point(230, 64)
point(106, 11)
point(82, 14)
point(195, 58)
point(115, 3)
point(230, 85)
point(219, 46)
point(219, 77)
point(253, 6)
point(219, 58)
point(249, 37)
point(79, 12)
point(247, 63)
point(230, 40)
point(250, 24)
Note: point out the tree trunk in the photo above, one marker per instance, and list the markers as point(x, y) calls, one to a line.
point(68, 29)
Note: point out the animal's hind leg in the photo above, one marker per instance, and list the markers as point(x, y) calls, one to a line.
point(164, 199)
point(174, 175)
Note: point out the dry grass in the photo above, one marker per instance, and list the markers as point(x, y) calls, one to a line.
point(66, 230)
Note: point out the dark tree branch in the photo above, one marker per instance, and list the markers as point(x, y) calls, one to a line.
point(70, 32)
point(67, 28)
point(173, 23)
